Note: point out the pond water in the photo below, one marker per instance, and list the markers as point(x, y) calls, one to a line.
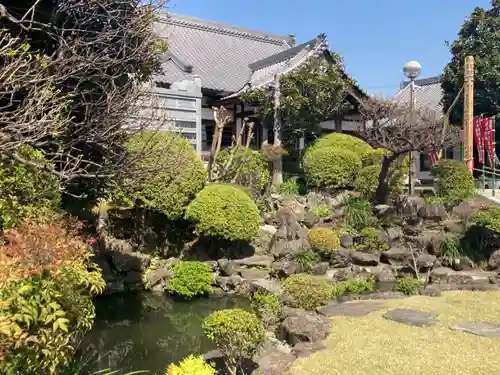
point(149, 331)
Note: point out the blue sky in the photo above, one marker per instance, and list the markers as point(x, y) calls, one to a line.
point(375, 38)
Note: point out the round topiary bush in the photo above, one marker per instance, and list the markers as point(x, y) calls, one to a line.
point(169, 174)
point(373, 156)
point(345, 141)
point(191, 365)
point(236, 332)
point(226, 212)
point(454, 181)
point(248, 168)
point(191, 279)
point(306, 291)
point(331, 167)
point(323, 239)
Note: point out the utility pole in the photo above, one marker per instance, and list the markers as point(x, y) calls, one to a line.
point(278, 133)
point(468, 134)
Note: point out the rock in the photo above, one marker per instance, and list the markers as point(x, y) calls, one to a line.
point(462, 263)
point(305, 349)
point(411, 317)
point(455, 227)
point(133, 281)
point(289, 248)
point(413, 227)
point(310, 219)
point(130, 262)
point(433, 212)
point(274, 363)
point(394, 233)
point(115, 286)
point(298, 209)
point(103, 264)
point(229, 283)
point(118, 245)
point(383, 274)
point(445, 275)
point(228, 268)
point(214, 266)
point(213, 355)
point(469, 206)
point(347, 241)
point(410, 206)
point(340, 258)
point(339, 274)
point(285, 268)
point(350, 308)
point(159, 276)
point(426, 261)
point(364, 259)
point(304, 327)
point(255, 261)
point(396, 256)
point(262, 244)
point(253, 273)
point(478, 328)
point(268, 286)
point(494, 262)
point(320, 268)
point(287, 224)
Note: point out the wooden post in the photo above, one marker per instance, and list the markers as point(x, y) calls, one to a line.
point(469, 113)
point(278, 133)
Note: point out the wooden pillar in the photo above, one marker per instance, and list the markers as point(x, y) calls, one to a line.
point(468, 133)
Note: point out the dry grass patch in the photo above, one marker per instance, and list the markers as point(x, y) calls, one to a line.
point(373, 345)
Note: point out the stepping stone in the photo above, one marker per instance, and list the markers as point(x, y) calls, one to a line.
point(478, 328)
point(350, 308)
point(412, 317)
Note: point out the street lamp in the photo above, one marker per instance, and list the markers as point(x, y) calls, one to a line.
point(411, 70)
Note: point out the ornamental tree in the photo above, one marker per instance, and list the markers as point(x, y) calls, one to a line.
point(400, 130)
point(479, 36)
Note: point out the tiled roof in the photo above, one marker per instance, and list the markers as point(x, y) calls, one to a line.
point(222, 55)
point(428, 93)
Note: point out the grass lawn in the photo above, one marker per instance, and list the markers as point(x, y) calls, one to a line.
point(373, 345)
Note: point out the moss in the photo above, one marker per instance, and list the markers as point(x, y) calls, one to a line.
point(333, 168)
point(226, 212)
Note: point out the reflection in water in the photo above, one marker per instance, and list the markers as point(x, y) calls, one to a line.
point(149, 331)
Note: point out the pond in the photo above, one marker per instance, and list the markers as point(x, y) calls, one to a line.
point(148, 331)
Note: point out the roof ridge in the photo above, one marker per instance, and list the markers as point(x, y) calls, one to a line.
point(221, 28)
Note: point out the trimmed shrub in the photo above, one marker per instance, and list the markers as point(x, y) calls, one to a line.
point(191, 279)
point(46, 287)
point(306, 291)
point(373, 156)
point(169, 174)
point(372, 241)
point(267, 307)
point(332, 168)
point(354, 286)
point(237, 333)
point(454, 181)
point(323, 239)
point(408, 285)
point(191, 365)
point(344, 141)
point(249, 168)
point(24, 191)
point(225, 212)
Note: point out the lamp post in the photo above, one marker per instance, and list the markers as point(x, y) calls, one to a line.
point(411, 70)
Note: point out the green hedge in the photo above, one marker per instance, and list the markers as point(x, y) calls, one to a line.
point(345, 141)
point(454, 181)
point(226, 212)
point(331, 167)
point(168, 175)
point(250, 165)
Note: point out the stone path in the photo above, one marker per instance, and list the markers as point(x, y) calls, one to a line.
point(411, 317)
point(478, 328)
point(350, 308)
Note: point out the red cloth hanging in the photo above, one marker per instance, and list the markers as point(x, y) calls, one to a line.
point(479, 137)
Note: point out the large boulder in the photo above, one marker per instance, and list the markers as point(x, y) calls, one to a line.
point(396, 256)
point(227, 267)
point(340, 258)
point(426, 261)
point(134, 261)
point(304, 326)
point(443, 275)
point(494, 262)
point(253, 273)
point(289, 248)
point(364, 259)
point(262, 244)
point(274, 363)
point(267, 286)
point(255, 261)
point(320, 268)
point(229, 283)
point(285, 268)
point(433, 212)
point(158, 279)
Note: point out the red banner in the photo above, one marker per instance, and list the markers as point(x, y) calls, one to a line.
point(487, 125)
point(433, 157)
point(479, 138)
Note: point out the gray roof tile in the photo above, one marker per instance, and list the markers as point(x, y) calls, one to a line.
point(428, 93)
point(220, 54)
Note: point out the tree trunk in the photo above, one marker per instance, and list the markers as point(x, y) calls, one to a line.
point(382, 193)
point(278, 133)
